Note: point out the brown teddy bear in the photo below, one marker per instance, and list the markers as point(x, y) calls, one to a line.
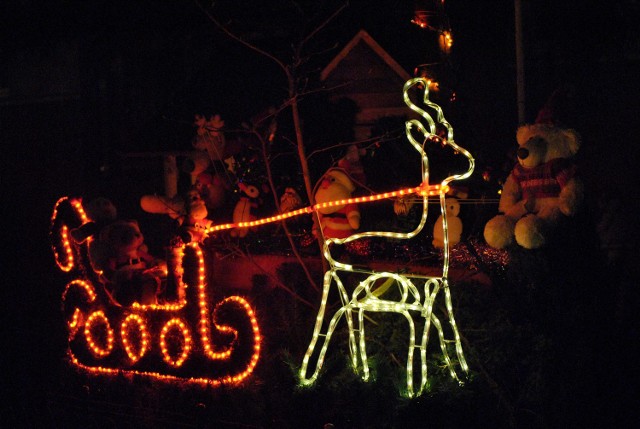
point(541, 190)
point(131, 273)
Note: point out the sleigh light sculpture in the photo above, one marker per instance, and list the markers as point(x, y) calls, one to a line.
point(187, 340)
point(418, 293)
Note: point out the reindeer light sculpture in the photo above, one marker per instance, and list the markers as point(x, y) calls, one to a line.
point(418, 293)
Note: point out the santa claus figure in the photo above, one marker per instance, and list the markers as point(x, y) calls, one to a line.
point(336, 220)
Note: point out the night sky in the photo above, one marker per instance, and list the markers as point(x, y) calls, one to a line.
point(130, 75)
point(82, 80)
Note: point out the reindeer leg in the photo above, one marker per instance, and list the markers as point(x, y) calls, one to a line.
point(411, 352)
point(317, 332)
point(454, 327)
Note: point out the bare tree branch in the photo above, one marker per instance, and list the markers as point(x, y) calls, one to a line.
point(237, 38)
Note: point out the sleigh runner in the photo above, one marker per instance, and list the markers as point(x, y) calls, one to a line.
point(188, 338)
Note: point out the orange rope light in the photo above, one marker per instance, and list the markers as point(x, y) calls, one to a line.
point(66, 261)
point(182, 328)
point(257, 338)
point(91, 313)
point(422, 190)
point(98, 318)
point(84, 285)
point(134, 321)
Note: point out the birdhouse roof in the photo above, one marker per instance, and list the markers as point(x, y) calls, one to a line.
point(362, 37)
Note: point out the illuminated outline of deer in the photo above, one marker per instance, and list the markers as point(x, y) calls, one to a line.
point(363, 299)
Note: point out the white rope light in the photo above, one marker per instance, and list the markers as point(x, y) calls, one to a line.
point(418, 293)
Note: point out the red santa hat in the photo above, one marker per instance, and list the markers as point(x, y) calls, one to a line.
point(554, 108)
point(352, 164)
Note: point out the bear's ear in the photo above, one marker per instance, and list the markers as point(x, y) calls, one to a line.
point(524, 133)
point(133, 223)
point(573, 140)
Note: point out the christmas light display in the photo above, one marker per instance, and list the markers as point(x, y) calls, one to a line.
point(364, 298)
point(418, 293)
point(158, 340)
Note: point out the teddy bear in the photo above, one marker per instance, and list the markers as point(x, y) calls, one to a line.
point(209, 137)
point(130, 273)
point(542, 189)
point(454, 225)
point(100, 212)
point(336, 221)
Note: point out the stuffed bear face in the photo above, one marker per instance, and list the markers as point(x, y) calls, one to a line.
point(540, 143)
point(123, 236)
point(533, 152)
point(101, 210)
point(334, 185)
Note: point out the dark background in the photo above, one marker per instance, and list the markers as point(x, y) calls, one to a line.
point(84, 80)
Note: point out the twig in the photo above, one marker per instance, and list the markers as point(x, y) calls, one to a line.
point(294, 249)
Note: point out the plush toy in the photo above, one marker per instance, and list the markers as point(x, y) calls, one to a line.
point(337, 221)
point(100, 212)
point(454, 225)
point(244, 210)
point(210, 145)
point(212, 190)
point(402, 205)
point(131, 273)
point(541, 190)
point(209, 137)
point(290, 200)
point(207, 163)
point(194, 224)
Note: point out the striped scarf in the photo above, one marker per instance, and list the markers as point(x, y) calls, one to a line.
point(546, 180)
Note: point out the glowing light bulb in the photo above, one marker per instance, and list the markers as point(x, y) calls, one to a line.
point(182, 329)
point(103, 345)
point(134, 351)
